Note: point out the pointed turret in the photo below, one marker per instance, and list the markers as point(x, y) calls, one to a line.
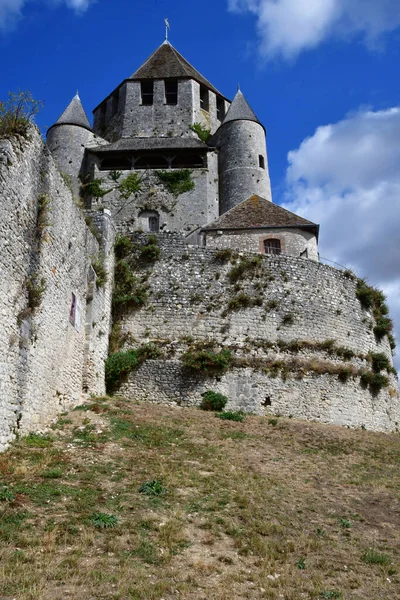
point(68, 138)
point(243, 165)
point(240, 110)
point(74, 114)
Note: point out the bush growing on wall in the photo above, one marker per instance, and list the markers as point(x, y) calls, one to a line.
point(213, 401)
point(119, 365)
point(206, 361)
point(17, 113)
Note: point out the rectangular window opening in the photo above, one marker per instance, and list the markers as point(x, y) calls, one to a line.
point(220, 108)
point(204, 98)
point(261, 161)
point(147, 92)
point(114, 103)
point(171, 91)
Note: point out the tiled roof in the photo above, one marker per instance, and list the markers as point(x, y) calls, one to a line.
point(240, 110)
point(152, 143)
point(256, 212)
point(74, 114)
point(167, 62)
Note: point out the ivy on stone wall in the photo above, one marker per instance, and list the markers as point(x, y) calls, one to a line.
point(177, 181)
point(119, 365)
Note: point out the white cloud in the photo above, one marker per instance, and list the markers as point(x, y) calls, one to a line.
point(347, 178)
point(11, 10)
point(287, 27)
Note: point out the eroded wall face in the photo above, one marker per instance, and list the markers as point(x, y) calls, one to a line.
point(46, 255)
point(194, 297)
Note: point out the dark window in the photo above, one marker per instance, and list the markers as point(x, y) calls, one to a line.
point(151, 162)
point(154, 224)
point(220, 108)
point(261, 161)
point(171, 91)
point(204, 99)
point(102, 116)
point(147, 92)
point(272, 246)
point(114, 103)
point(117, 163)
point(183, 161)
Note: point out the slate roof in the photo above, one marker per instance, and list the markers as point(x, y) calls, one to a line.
point(166, 62)
point(74, 114)
point(151, 143)
point(240, 110)
point(257, 212)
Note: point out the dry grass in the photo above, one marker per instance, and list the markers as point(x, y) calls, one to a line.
point(260, 509)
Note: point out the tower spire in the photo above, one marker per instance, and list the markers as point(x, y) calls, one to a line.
point(167, 28)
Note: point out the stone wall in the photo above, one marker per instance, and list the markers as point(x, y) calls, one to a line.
point(193, 299)
point(294, 242)
point(185, 212)
point(47, 280)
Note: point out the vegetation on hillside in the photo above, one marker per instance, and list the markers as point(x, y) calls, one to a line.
point(146, 502)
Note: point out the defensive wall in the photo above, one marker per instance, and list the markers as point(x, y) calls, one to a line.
point(296, 329)
point(54, 317)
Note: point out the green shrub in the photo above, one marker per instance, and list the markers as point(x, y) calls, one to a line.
point(100, 270)
point(150, 252)
point(383, 327)
point(104, 521)
point(246, 266)
point(130, 185)
point(288, 319)
point(375, 381)
point(202, 133)
point(153, 488)
point(128, 292)
point(177, 181)
point(213, 401)
point(243, 300)
point(379, 362)
point(224, 254)
point(206, 361)
point(231, 416)
point(122, 247)
point(119, 365)
point(93, 188)
point(17, 113)
point(345, 374)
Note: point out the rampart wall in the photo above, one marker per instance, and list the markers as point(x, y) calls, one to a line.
point(193, 302)
point(47, 286)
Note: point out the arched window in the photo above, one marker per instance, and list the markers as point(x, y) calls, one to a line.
point(272, 246)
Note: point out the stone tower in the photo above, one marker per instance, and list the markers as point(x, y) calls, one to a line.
point(243, 164)
point(163, 98)
point(68, 138)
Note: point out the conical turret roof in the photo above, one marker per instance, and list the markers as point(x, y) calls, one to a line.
point(166, 62)
point(240, 110)
point(74, 114)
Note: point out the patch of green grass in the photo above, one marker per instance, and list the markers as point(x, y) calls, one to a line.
point(153, 488)
point(231, 416)
point(330, 594)
point(344, 523)
point(104, 520)
point(37, 440)
point(6, 495)
point(373, 557)
point(54, 473)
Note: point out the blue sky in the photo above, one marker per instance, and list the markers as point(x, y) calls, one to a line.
point(322, 75)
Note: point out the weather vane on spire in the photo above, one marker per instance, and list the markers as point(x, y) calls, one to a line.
point(167, 28)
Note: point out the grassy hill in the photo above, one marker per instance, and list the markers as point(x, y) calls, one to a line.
point(149, 502)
